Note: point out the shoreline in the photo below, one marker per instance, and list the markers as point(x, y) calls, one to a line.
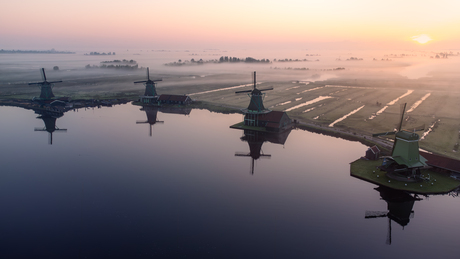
point(347, 134)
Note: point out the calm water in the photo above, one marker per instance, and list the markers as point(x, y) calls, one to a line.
point(110, 187)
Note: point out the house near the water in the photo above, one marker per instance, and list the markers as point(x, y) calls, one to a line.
point(151, 96)
point(174, 99)
point(274, 121)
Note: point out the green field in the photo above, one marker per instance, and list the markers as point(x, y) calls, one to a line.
point(440, 109)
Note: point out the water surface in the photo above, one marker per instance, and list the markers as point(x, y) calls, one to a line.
point(106, 187)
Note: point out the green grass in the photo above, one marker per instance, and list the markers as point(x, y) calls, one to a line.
point(367, 170)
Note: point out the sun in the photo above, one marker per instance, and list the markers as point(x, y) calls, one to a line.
point(422, 38)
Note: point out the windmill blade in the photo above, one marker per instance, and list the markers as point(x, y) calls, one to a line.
point(39, 129)
point(418, 128)
point(53, 82)
point(262, 155)
point(36, 83)
point(388, 242)
point(63, 130)
point(162, 122)
point(148, 76)
point(42, 70)
point(254, 77)
point(403, 109)
point(384, 134)
point(266, 89)
point(375, 214)
point(246, 91)
point(141, 122)
point(137, 82)
point(242, 154)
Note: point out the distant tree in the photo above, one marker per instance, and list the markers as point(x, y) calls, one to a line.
point(55, 68)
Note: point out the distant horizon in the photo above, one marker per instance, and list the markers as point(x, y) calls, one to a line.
point(325, 46)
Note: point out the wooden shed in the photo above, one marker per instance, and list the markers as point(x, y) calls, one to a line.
point(373, 153)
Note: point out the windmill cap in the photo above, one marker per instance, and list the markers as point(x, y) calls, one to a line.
point(407, 135)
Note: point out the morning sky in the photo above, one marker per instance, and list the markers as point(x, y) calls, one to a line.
point(60, 24)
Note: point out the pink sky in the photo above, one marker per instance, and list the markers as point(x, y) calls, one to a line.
point(239, 23)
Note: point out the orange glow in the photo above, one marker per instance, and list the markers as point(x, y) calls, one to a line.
point(137, 22)
point(422, 38)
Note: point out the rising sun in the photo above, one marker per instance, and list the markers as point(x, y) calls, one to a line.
point(422, 38)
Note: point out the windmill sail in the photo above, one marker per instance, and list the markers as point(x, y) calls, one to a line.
point(50, 127)
point(256, 103)
point(403, 109)
point(150, 85)
point(405, 157)
point(46, 92)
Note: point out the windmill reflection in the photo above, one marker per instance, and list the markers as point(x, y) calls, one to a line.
point(399, 204)
point(49, 118)
point(152, 113)
point(255, 141)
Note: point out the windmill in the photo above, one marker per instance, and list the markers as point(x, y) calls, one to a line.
point(256, 105)
point(150, 87)
point(405, 161)
point(50, 126)
point(399, 205)
point(255, 141)
point(45, 87)
point(151, 113)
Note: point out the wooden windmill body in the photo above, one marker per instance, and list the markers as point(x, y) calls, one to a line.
point(46, 88)
point(405, 161)
point(150, 94)
point(256, 105)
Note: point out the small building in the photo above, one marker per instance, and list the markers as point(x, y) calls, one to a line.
point(174, 99)
point(373, 153)
point(274, 121)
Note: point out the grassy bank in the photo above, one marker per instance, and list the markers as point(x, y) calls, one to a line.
point(439, 183)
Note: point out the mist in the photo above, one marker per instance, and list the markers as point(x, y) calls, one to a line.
point(396, 68)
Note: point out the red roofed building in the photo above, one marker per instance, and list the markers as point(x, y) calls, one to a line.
point(274, 121)
point(442, 162)
point(373, 153)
